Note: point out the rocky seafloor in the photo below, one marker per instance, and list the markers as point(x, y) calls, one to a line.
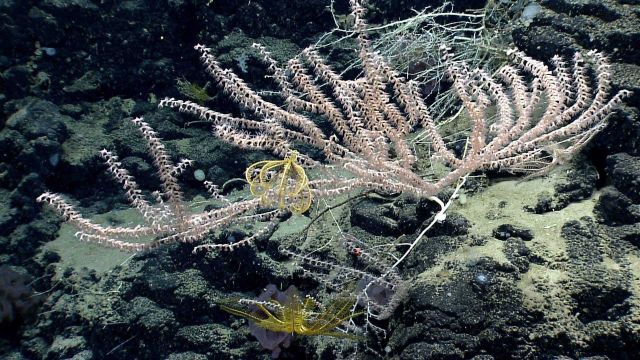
point(541, 269)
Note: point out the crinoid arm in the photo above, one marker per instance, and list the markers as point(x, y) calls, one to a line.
point(241, 312)
point(280, 183)
point(295, 315)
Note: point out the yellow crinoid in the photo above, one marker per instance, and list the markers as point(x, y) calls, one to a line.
point(280, 183)
point(295, 315)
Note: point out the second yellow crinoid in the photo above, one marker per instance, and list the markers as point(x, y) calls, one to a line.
point(280, 183)
point(295, 315)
